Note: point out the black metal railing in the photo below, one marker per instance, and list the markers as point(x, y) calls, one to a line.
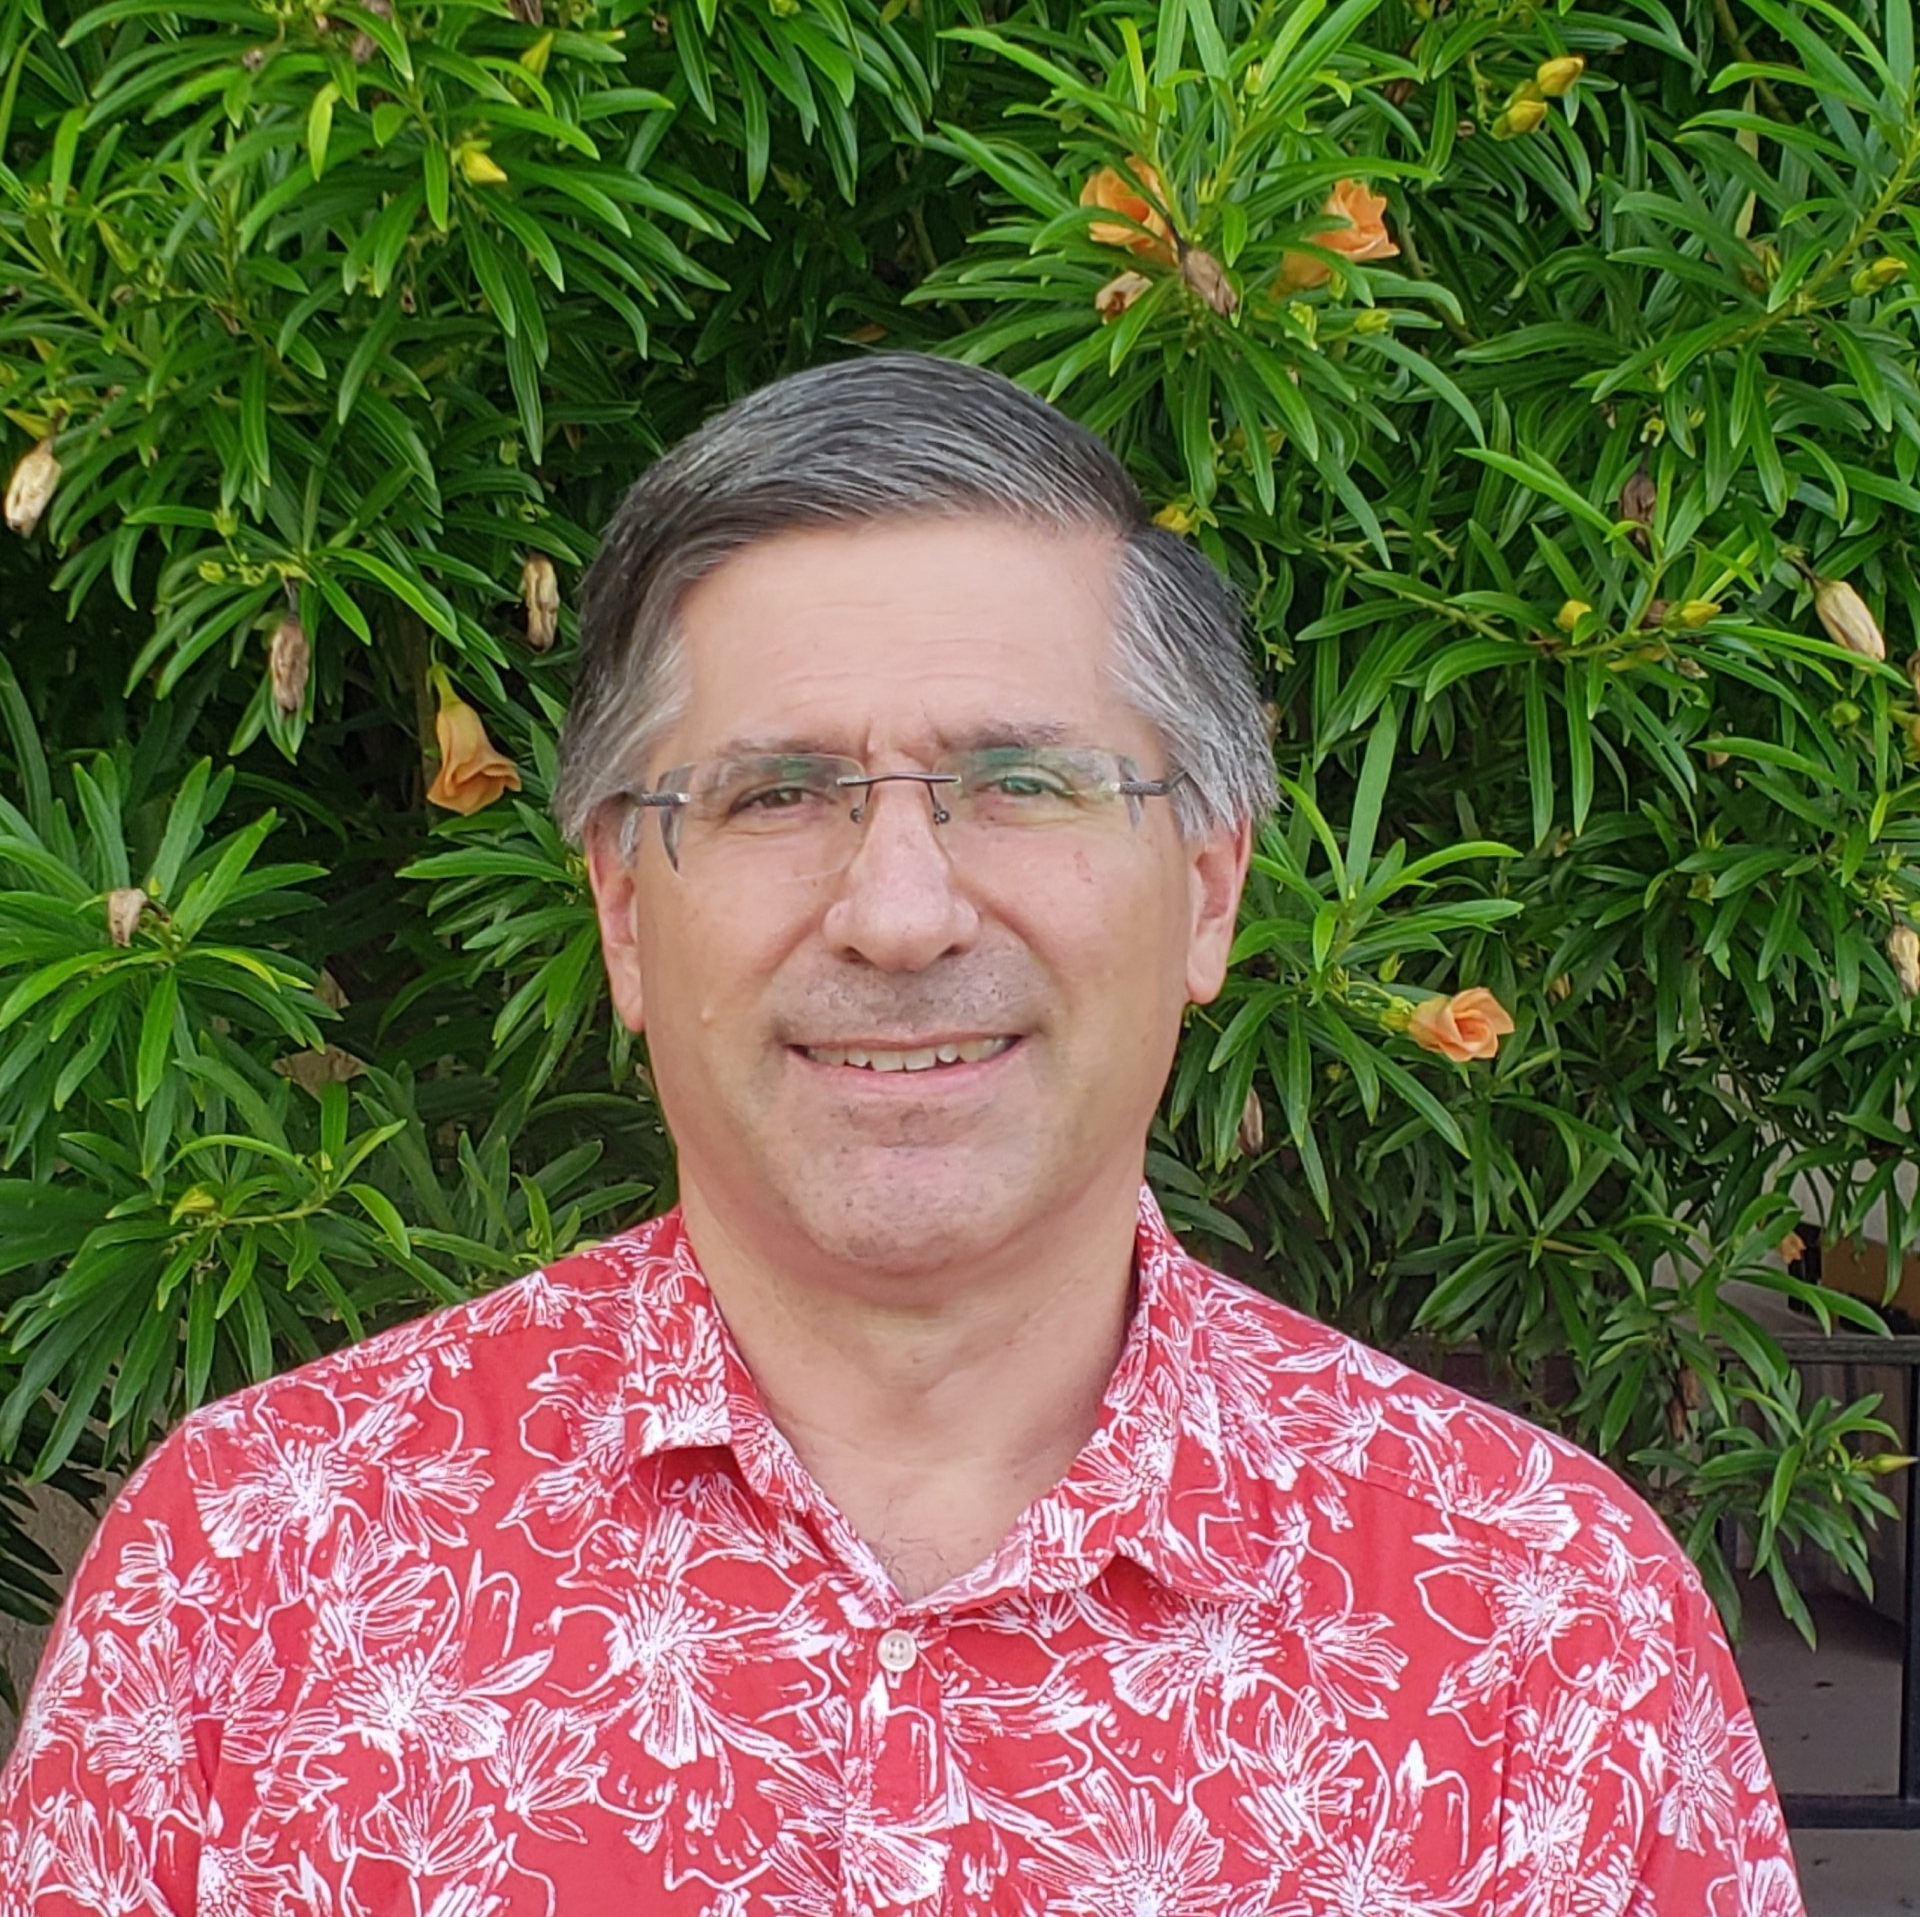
point(1832, 1810)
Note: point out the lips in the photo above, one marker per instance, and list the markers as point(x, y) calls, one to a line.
point(923, 1058)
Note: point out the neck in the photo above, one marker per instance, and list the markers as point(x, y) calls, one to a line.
point(931, 1409)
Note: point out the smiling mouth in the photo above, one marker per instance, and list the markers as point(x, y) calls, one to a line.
point(927, 1058)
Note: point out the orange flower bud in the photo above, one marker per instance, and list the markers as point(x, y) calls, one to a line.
point(1470, 1024)
point(1362, 235)
point(1137, 196)
point(31, 487)
point(473, 771)
point(540, 595)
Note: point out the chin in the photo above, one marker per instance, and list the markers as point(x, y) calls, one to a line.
point(912, 1212)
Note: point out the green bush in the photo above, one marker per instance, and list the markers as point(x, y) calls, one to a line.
point(345, 323)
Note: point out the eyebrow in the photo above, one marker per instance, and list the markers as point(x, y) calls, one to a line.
point(993, 735)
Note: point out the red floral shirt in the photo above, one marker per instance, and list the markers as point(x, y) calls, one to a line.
point(527, 1610)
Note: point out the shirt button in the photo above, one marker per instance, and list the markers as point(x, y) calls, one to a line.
point(897, 1651)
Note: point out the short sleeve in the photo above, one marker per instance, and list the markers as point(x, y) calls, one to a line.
point(103, 1803)
point(1636, 1783)
point(1713, 1838)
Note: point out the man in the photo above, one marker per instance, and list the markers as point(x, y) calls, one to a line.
point(905, 1525)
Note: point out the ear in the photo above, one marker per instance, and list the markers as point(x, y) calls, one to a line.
point(616, 901)
point(1217, 871)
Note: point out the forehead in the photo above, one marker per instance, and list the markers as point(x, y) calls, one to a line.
point(907, 632)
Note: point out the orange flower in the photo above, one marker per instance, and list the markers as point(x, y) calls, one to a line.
point(1138, 195)
point(1470, 1024)
point(473, 771)
point(1363, 236)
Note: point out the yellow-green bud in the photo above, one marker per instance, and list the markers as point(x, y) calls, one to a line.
point(1571, 614)
point(1523, 116)
point(476, 166)
point(1556, 77)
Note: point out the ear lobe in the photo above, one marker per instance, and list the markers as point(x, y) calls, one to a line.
point(1219, 871)
point(617, 906)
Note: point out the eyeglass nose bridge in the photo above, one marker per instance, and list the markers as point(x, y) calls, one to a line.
point(866, 781)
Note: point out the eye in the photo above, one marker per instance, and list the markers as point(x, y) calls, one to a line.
point(1025, 782)
point(774, 798)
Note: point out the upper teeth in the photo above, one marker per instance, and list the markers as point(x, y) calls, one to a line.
point(970, 1052)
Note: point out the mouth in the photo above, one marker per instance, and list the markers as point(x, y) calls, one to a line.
point(943, 1055)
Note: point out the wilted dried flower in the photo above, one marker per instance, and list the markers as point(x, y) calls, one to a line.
point(1119, 293)
point(1208, 278)
point(1560, 987)
point(1639, 501)
point(540, 595)
point(1470, 1024)
point(1397, 92)
point(1848, 622)
point(288, 658)
point(1518, 118)
point(1253, 1126)
point(1556, 77)
point(1715, 760)
point(124, 907)
point(1793, 1248)
point(311, 1070)
point(1139, 196)
point(362, 48)
point(1362, 235)
point(31, 487)
point(473, 771)
point(1903, 949)
point(1571, 614)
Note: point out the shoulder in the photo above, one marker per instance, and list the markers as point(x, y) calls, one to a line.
point(1421, 1457)
point(454, 1382)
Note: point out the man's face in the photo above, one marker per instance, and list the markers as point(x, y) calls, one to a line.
point(1074, 952)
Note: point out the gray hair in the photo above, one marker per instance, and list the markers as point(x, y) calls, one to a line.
point(900, 436)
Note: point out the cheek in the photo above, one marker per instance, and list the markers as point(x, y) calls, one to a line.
point(708, 964)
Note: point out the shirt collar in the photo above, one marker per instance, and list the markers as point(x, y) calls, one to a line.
point(1155, 1483)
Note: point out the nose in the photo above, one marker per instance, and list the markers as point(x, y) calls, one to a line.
point(898, 908)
